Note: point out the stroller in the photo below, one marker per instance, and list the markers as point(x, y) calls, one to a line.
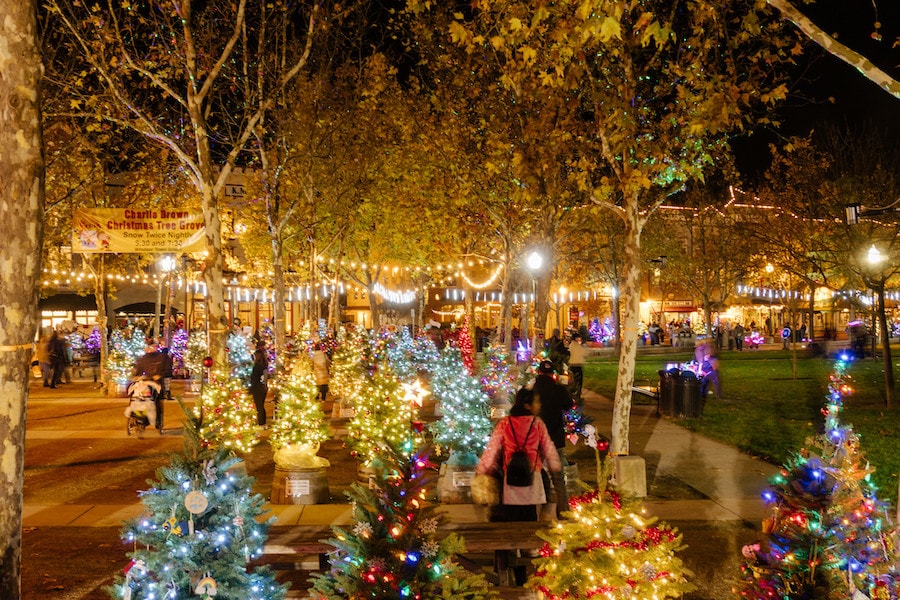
point(141, 409)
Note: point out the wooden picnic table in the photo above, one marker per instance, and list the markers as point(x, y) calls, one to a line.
point(288, 545)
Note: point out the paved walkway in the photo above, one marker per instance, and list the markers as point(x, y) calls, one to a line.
point(726, 484)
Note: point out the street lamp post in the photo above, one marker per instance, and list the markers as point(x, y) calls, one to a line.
point(875, 260)
point(770, 268)
point(534, 263)
point(166, 266)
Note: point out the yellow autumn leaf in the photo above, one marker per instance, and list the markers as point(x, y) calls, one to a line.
point(528, 54)
point(458, 33)
point(584, 10)
point(609, 29)
point(75, 103)
point(497, 42)
point(515, 24)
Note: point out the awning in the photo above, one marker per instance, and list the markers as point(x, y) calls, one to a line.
point(68, 302)
point(678, 309)
point(147, 309)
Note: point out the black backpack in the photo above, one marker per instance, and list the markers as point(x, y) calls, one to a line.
point(519, 470)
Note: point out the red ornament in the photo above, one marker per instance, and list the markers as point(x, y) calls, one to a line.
point(208, 362)
point(418, 426)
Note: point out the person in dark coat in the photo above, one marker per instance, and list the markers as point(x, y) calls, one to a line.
point(258, 382)
point(56, 350)
point(555, 402)
point(152, 365)
point(522, 429)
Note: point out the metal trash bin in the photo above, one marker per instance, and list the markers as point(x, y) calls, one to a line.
point(668, 384)
point(692, 406)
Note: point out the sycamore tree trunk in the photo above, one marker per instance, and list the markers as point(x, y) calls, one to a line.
point(504, 327)
point(100, 294)
point(278, 326)
point(886, 349)
point(21, 199)
point(216, 319)
point(630, 295)
point(217, 322)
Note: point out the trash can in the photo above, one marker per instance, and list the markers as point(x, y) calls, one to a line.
point(677, 392)
point(667, 391)
point(692, 406)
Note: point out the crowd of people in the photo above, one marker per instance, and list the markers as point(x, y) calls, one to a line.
point(54, 356)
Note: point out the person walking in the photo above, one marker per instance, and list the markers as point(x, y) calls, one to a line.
point(555, 402)
point(56, 350)
point(577, 357)
point(709, 375)
point(739, 337)
point(522, 429)
point(259, 386)
point(152, 365)
point(556, 351)
point(42, 355)
point(321, 370)
point(786, 337)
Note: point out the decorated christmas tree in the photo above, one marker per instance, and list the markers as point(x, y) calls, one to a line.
point(92, 341)
point(126, 346)
point(399, 348)
point(179, 346)
point(465, 424)
point(383, 415)
point(299, 425)
point(827, 534)
point(197, 350)
point(466, 346)
point(346, 362)
point(607, 548)
point(200, 531)
point(497, 380)
point(392, 550)
point(240, 358)
point(226, 414)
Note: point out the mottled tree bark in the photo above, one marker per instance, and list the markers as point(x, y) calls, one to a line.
point(21, 199)
point(631, 300)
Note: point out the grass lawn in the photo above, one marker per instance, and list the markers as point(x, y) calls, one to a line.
point(767, 413)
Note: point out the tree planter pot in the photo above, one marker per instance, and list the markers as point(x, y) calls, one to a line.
point(300, 486)
point(455, 479)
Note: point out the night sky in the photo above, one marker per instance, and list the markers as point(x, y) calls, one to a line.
point(827, 90)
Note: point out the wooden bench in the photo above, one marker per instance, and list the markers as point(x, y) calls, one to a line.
point(301, 547)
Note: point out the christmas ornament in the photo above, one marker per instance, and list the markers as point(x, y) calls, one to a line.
point(196, 502)
point(206, 586)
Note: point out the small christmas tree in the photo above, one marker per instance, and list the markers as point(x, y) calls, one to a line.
point(200, 532)
point(239, 356)
point(299, 425)
point(466, 347)
point(383, 415)
point(391, 551)
point(126, 346)
point(497, 381)
point(92, 341)
point(399, 349)
point(827, 534)
point(608, 549)
point(465, 424)
point(346, 365)
point(179, 346)
point(226, 414)
point(197, 349)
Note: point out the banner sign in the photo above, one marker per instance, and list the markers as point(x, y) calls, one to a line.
point(136, 230)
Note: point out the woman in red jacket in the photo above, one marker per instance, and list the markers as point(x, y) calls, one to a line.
point(522, 429)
